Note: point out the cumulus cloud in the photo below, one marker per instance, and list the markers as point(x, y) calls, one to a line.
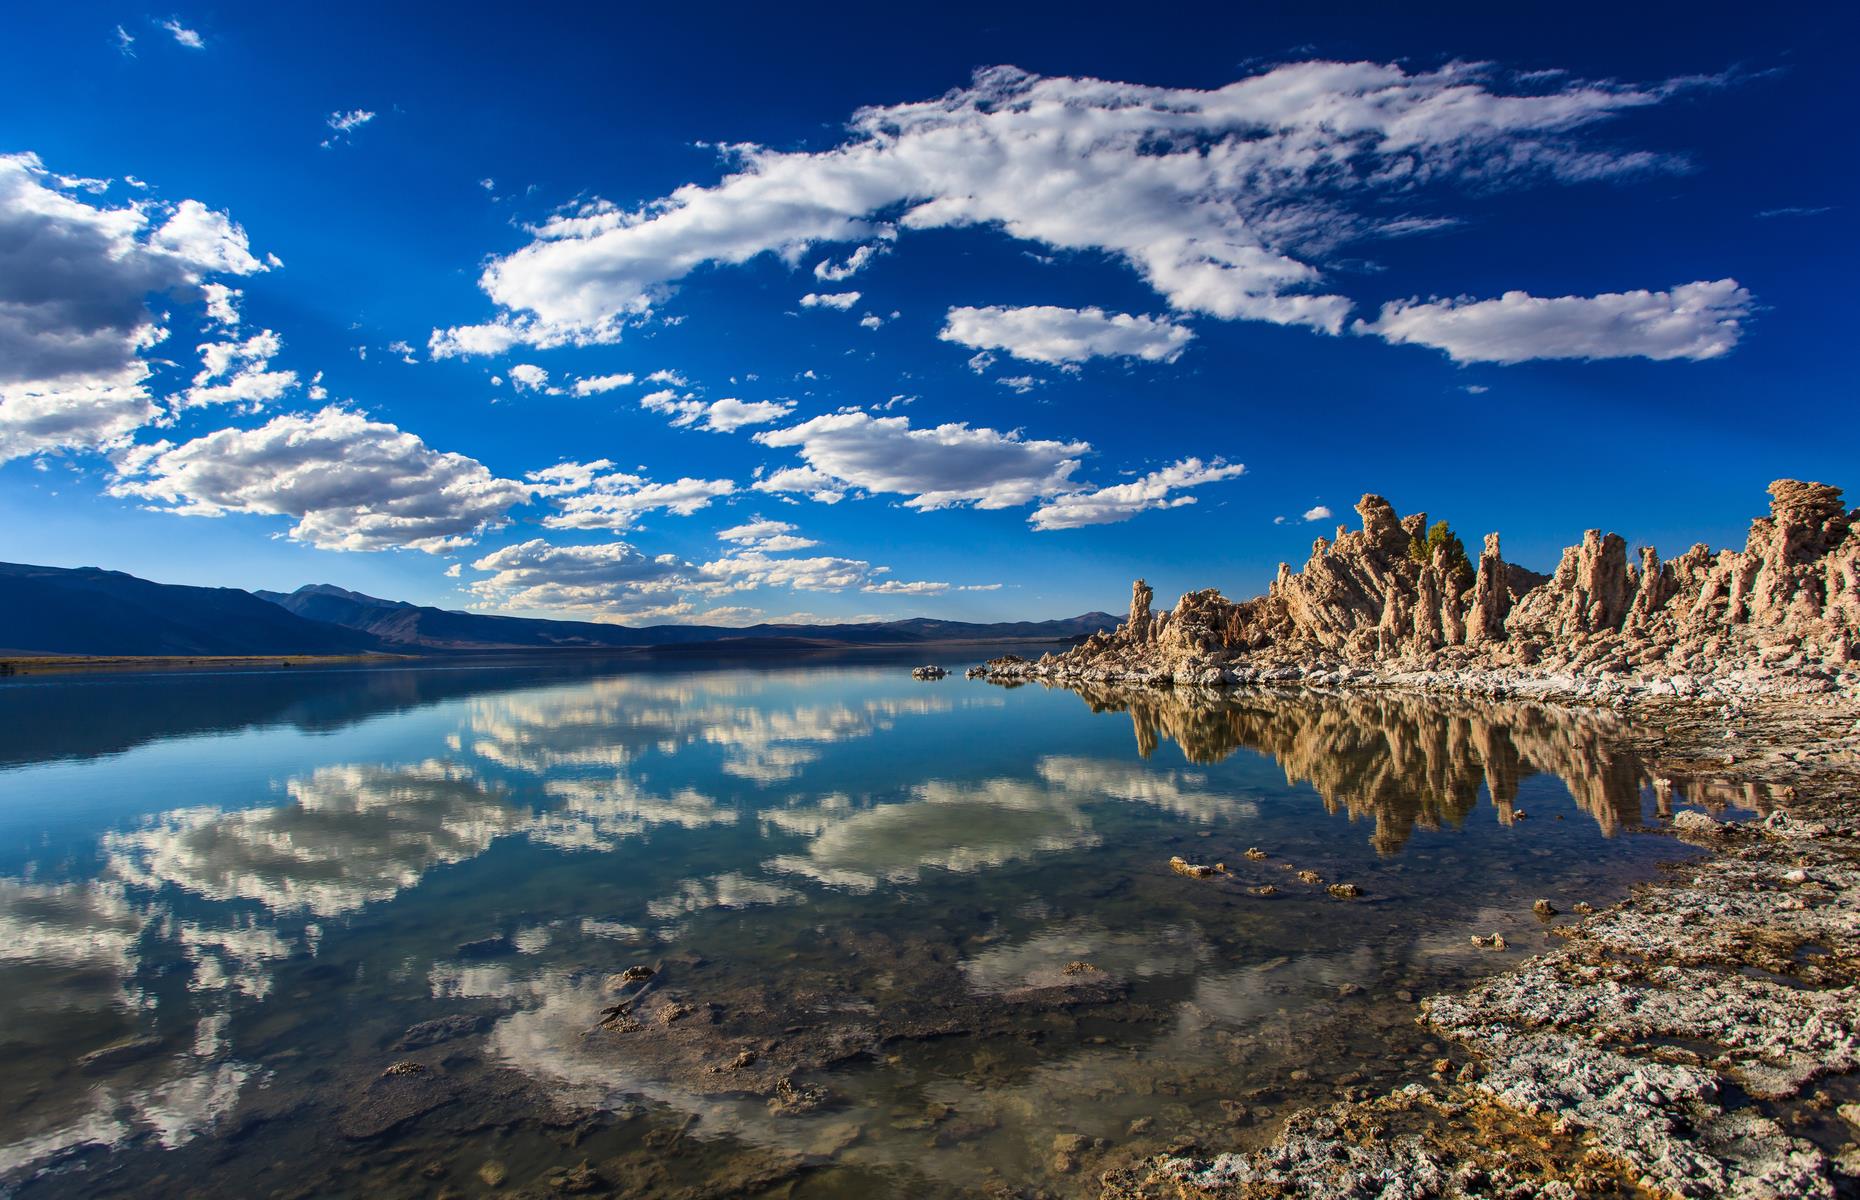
point(602, 383)
point(528, 377)
point(206, 239)
point(607, 578)
point(75, 322)
point(936, 467)
point(506, 332)
point(815, 485)
point(1693, 321)
point(839, 300)
point(1224, 201)
point(239, 372)
point(1045, 333)
point(1122, 501)
point(589, 496)
point(350, 483)
point(1319, 512)
point(898, 587)
point(616, 581)
point(764, 534)
point(717, 416)
point(828, 271)
point(755, 568)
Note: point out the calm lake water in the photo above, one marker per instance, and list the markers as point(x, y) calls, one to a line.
point(368, 933)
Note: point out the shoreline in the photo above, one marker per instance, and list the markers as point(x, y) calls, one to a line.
point(1675, 1043)
point(21, 665)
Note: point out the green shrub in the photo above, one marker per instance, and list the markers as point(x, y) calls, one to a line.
point(1440, 535)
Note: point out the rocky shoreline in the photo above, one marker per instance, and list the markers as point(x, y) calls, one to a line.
point(1377, 607)
point(1698, 1039)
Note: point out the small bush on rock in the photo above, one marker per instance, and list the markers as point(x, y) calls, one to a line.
point(1438, 536)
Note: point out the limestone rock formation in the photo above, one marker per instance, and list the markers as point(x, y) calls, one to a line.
point(1783, 611)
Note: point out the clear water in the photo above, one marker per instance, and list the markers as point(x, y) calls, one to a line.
point(322, 933)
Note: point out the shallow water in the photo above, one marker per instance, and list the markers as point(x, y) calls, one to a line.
point(906, 938)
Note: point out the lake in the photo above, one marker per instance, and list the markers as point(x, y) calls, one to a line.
point(810, 929)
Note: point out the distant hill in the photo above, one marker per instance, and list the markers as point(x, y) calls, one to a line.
point(410, 628)
point(86, 610)
point(91, 611)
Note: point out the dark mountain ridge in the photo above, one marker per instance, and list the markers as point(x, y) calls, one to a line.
point(89, 611)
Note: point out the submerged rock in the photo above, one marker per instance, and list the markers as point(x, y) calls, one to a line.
point(928, 672)
point(1181, 866)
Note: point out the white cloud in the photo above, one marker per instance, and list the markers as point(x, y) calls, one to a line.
point(898, 587)
point(1120, 502)
point(669, 378)
point(936, 467)
point(528, 377)
point(222, 303)
point(717, 416)
point(617, 500)
point(75, 323)
point(753, 568)
point(1223, 200)
point(1020, 384)
point(839, 300)
point(1045, 333)
point(206, 239)
point(567, 477)
point(816, 485)
point(349, 482)
point(504, 332)
point(602, 383)
point(235, 372)
point(1320, 512)
point(344, 124)
point(126, 42)
point(601, 579)
point(1693, 321)
point(762, 534)
point(182, 34)
point(754, 531)
point(828, 271)
point(871, 321)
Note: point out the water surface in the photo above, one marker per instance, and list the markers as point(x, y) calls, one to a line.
point(365, 932)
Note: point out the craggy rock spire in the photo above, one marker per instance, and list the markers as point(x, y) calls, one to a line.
point(1491, 599)
point(1139, 623)
point(1783, 611)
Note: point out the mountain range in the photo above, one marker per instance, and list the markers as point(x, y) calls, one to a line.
point(90, 611)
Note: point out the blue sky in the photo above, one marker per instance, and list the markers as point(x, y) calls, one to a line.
point(976, 315)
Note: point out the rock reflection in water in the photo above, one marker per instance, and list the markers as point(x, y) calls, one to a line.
point(1402, 762)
